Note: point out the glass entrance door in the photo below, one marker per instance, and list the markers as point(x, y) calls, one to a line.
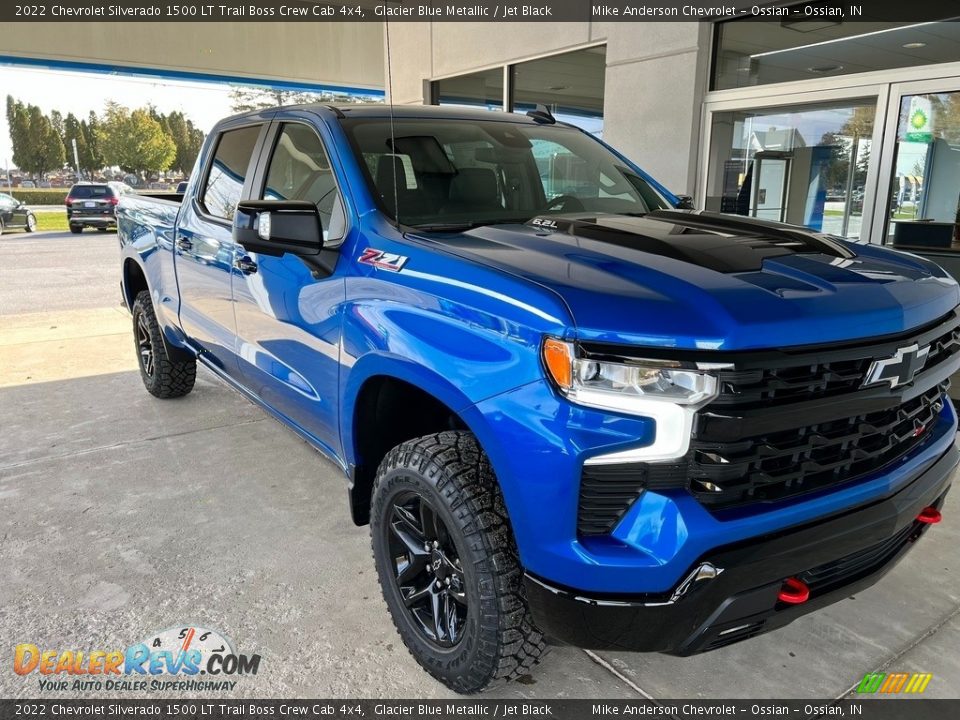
point(922, 171)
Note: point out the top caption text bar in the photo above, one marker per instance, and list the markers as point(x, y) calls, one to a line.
point(471, 11)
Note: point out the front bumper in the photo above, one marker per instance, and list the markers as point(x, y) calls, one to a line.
point(837, 557)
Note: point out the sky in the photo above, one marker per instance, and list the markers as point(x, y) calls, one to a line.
point(79, 93)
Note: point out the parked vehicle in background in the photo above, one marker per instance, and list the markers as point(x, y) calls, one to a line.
point(28, 184)
point(14, 214)
point(567, 408)
point(182, 187)
point(94, 205)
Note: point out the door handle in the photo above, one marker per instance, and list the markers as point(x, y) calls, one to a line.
point(245, 264)
point(184, 243)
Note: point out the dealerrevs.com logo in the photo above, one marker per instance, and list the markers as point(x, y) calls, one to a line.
point(183, 653)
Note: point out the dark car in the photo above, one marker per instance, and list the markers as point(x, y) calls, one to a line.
point(94, 205)
point(14, 214)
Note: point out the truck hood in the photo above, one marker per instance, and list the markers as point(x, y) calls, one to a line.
point(710, 281)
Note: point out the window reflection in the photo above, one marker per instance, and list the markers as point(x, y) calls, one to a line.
point(924, 208)
point(802, 165)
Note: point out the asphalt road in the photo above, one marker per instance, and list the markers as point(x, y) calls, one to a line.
point(122, 515)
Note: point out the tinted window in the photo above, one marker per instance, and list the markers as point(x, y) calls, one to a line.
point(300, 170)
point(91, 191)
point(224, 185)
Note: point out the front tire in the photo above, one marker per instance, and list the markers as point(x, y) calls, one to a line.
point(448, 565)
point(162, 377)
point(31, 222)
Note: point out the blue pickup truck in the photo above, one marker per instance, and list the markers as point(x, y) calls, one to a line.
point(569, 410)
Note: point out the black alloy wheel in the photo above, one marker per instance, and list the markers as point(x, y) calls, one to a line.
point(448, 565)
point(163, 376)
point(144, 346)
point(427, 569)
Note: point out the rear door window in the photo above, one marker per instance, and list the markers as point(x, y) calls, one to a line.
point(224, 185)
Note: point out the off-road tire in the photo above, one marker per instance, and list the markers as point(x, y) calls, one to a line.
point(500, 641)
point(167, 378)
point(76, 229)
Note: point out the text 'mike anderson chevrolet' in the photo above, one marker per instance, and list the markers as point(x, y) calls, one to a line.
point(569, 410)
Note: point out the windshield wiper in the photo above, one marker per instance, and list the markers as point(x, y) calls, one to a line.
point(461, 226)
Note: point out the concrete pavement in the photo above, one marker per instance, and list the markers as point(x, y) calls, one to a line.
point(123, 515)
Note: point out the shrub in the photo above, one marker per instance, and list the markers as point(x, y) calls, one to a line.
point(40, 196)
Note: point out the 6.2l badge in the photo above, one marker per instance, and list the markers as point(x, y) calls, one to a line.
point(383, 260)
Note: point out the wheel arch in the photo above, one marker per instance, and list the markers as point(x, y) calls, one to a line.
point(376, 418)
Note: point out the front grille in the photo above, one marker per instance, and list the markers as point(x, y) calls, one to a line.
point(787, 422)
point(786, 379)
point(776, 465)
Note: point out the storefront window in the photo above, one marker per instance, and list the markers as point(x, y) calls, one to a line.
point(480, 89)
point(805, 165)
point(571, 85)
point(759, 53)
point(924, 201)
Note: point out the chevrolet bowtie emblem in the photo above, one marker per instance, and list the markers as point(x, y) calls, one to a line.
point(899, 369)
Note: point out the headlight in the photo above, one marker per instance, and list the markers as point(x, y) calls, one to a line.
point(627, 386)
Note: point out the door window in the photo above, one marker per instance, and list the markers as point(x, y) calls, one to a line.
point(224, 185)
point(924, 194)
point(300, 170)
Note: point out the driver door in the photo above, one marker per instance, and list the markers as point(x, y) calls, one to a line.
point(288, 311)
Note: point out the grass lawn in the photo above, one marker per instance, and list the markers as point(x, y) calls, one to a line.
point(51, 220)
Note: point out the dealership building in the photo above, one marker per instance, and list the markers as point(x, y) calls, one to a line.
point(851, 128)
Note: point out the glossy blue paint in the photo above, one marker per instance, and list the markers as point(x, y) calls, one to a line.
point(464, 321)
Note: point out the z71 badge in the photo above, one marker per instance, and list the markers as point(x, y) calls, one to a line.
point(383, 260)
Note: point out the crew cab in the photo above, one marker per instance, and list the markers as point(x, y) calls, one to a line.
point(569, 410)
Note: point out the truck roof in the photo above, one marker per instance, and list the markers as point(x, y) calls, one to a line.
point(382, 110)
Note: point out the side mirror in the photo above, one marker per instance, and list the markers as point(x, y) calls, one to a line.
point(276, 227)
point(684, 202)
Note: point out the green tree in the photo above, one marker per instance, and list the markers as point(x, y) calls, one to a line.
point(188, 139)
point(134, 141)
point(91, 133)
point(37, 147)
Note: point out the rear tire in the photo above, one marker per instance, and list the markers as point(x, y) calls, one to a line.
point(76, 229)
point(448, 565)
point(1, 227)
point(162, 377)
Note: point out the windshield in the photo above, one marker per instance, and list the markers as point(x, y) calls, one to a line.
point(447, 174)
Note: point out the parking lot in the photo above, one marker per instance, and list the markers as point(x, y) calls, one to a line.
point(123, 515)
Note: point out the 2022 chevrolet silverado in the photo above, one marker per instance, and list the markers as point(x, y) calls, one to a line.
point(567, 409)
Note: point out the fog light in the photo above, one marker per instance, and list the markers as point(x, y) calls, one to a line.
point(793, 592)
point(929, 515)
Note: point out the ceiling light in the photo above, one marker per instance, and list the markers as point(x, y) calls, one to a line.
point(833, 41)
point(825, 68)
point(913, 45)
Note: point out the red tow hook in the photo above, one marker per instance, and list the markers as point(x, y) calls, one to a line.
point(929, 516)
point(793, 592)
